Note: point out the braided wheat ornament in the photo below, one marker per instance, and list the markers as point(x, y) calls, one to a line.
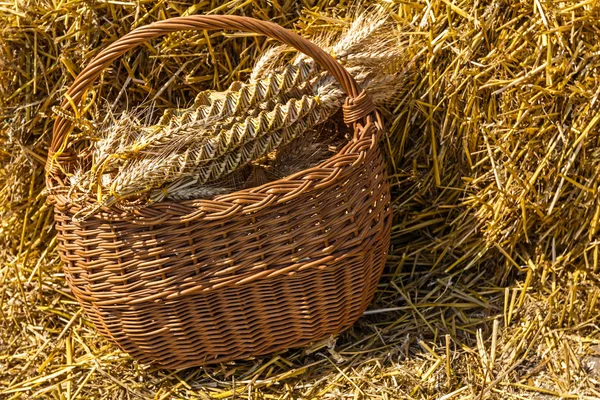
point(190, 153)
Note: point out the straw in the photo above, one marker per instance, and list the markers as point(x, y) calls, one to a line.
point(491, 288)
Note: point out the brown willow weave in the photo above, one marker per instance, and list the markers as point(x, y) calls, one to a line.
point(181, 284)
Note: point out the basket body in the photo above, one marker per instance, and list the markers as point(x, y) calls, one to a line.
point(182, 284)
point(185, 286)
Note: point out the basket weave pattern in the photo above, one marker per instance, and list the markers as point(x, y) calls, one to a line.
point(181, 284)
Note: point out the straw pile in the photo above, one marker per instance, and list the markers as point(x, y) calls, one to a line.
point(492, 286)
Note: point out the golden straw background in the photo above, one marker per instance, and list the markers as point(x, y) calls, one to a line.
point(491, 287)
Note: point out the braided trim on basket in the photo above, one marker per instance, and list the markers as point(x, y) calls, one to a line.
point(243, 201)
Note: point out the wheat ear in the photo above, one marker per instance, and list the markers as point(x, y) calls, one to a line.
point(217, 109)
point(218, 156)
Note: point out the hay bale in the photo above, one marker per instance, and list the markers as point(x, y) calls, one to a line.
point(492, 285)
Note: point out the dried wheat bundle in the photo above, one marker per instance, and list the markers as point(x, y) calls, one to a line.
point(190, 152)
point(210, 112)
point(299, 154)
point(214, 157)
point(369, 45)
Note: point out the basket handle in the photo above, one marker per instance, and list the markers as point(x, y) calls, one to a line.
point(358, 104)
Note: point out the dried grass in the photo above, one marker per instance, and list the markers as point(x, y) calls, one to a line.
point(492, 284)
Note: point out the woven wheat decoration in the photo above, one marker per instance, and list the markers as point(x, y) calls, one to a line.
point(254, 220)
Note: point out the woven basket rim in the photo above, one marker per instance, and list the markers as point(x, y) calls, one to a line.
point(247, 200)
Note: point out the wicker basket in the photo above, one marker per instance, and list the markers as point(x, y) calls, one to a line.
point(181, 284)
